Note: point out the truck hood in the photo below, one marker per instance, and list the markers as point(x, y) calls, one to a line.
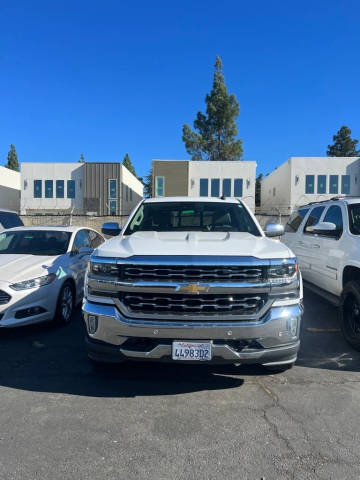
point(193, 243)
point(18, 267)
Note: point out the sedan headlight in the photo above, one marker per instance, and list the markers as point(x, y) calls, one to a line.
point(34, 282)
point(285, 273)
point(98, 268)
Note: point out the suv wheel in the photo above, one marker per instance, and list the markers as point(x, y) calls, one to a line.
point(65, 304)
point(350, 314)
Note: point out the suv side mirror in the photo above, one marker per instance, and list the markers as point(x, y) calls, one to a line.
point(85, 251)
point(111, 228)
point(274, 230)
point(323, 228)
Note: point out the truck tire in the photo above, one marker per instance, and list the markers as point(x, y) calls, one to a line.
point(65, 304)
point(350, 314)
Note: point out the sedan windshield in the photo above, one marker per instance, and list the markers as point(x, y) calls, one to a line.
point(34, 242)
point(192, 216)
point(354, 218)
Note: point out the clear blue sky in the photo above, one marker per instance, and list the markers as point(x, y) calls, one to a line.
point(110, 77)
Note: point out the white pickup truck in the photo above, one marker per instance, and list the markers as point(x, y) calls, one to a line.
point(193, 279)
point(325, 237)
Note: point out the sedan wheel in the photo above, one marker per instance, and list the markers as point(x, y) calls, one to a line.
point(65, 305)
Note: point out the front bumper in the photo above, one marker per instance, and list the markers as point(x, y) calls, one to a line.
point(270, 341)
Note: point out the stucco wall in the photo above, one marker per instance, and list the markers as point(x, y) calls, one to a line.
point(10, 186)
point(51, 171)
point(275, 191)
point(132, 191)
point(222, 170)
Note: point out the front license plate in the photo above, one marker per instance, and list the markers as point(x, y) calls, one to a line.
point(191, 351)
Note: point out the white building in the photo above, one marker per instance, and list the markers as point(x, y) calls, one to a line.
point(98, 188)
point(301, 180)
point(10, 188)
point(205, 179)
point(52, 187)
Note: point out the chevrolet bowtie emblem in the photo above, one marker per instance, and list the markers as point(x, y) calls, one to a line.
point(192, 288)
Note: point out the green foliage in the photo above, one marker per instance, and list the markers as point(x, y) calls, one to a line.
point(82, 158)
point(12, 159)
point(258, 190)
point(148, 184)
point(344, 145)
point(215, 138)
point(128, 164)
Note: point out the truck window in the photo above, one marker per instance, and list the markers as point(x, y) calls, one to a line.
point(295, 220)
point(314, 218)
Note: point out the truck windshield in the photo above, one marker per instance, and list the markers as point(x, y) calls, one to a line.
point(354, 218)
point(192, 216)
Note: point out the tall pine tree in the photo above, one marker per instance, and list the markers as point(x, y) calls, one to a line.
point(148, 184)
point(344, 145)
point(258, 190)
point(12, 159)
point(82, 158)
point(128, 164)
point(217, 129)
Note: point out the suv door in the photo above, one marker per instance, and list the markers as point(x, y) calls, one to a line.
point(307, 247)
point(331, 250)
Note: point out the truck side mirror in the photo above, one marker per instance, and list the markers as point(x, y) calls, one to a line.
point(274, 230)
point(111, 229)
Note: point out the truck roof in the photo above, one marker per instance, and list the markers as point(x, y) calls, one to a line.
point(192, 199)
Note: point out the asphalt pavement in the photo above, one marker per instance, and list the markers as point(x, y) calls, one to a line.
point(61, 419)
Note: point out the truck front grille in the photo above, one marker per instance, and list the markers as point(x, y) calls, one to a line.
point(209, 304)
point(193, 273)
point(4, 297)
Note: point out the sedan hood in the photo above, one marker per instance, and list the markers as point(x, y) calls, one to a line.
point(193, 243)
point(18, 267)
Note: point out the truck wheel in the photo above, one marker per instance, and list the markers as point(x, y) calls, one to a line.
point(65, 304)
point(350, 314)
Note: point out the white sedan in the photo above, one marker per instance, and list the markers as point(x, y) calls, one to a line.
point(42, 271)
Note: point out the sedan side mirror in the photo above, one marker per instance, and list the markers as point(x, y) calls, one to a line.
point(274, 230)
point(111, 228)
point(85, 251)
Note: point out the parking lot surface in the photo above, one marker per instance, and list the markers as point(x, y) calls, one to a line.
point(61, 419)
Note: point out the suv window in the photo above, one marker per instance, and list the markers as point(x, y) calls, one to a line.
point(354, 218)
point(10, 220)
point(295, 220)
point(334, 215)
point(313, 218)
point(95, 239)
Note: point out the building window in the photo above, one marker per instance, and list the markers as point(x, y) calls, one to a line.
point(112, 207)
point(334, 184)
point(204, 187)
point(309, 183)
point(321, 184)
point(238, 187)
point(159, 186)
point(37, 188)
point(71, 189)
point(112, 188)
point(345, 184)
point(215, 187)
point(49, 189)
point(226, 187)
point(59, 188)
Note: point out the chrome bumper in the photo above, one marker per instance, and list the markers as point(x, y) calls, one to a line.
point(272, 333)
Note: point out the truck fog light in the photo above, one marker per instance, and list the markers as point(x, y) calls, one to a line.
point(292, 326)
point(93, 323)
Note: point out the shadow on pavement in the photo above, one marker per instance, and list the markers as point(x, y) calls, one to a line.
point(53, 359)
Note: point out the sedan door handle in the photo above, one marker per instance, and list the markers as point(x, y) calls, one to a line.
point(302, 244)
point(315, 245)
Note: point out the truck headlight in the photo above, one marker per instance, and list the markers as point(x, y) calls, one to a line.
point(34, 282)
point(285, 273)
point(98, 268)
